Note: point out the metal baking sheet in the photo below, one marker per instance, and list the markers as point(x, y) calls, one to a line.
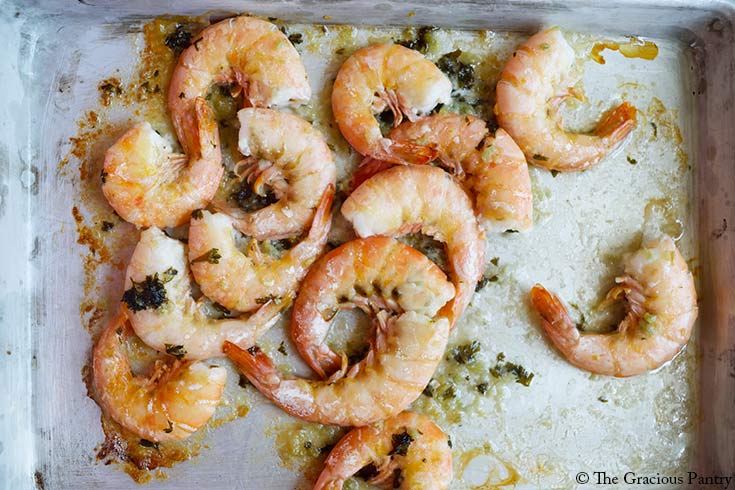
point(56, 53)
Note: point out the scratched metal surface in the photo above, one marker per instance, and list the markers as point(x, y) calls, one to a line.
point(49, 427)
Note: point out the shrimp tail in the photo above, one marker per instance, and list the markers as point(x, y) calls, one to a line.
point(255, 365)
point(208, 131)
point(403, 152)
point(617, 123)
point(368, 167)
point(555, 319)
point(321, 223)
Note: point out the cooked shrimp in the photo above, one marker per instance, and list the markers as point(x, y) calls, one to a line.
point(492, 168)
point(244, 281)
point(288, 155)
point(149, 185)
point(163, 313)
point(368, 274)
point(407, 348)
point(171, 404)
point(410, 198)
point(247, 51)
point(380, 77)
point(661, 309)
point(529, 92)
point(408, 451)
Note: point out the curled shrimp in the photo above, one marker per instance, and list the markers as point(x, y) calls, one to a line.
point(250, 52)
point(380, 77)
point(661, 304)
point(370, 275)
point(286, 154)
point(529, 92)
point(407, 451)
point(163, 313)
point(407, 348)
point(244, 281)
point(410, 198)
point(491, 167)
point(149, 185)
point(171, 404)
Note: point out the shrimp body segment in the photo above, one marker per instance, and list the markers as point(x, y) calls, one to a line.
point(288, 155)
point(409, 198)
point(661, 305)
point(245, 281)
point(380, 77)
point(172, 319)
point(247, 51)
point(368, 274)
point(492, 168)
point(407, 451)
point(148, 184)
point(408, 347)
point(172, 404)
point(532, 85)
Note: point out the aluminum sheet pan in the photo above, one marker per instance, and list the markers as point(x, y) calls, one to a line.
point(49, 427)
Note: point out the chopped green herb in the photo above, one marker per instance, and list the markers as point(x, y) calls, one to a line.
point(602, 399)
point(296, 38)
point(401, 442)
point(449, 393)
point(254, 349)
point(168, 274)
point(107, 226)
point(147, 294)
point(632, 161)
point(540, 158)
point(502, 368)
point(495, 261)
point(177, 351)
point(449, 442)
point(421, 41)
point(544, 46)
point(212, 256)
point(307, 445)
point(655, 129)
point(243, 382)
point(197, 214)
point(178, 40)
point(482, 388)
point(103, 176)
point(249, 201)
point(510, 231)
point(170, 428)
point(462, 73)
point(554, 173)
point(282, 349)
point(466, 352)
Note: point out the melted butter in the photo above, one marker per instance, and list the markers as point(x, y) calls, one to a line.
point(662, 214)
point(304, 446)
point(482, 461)
point(635, 48)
